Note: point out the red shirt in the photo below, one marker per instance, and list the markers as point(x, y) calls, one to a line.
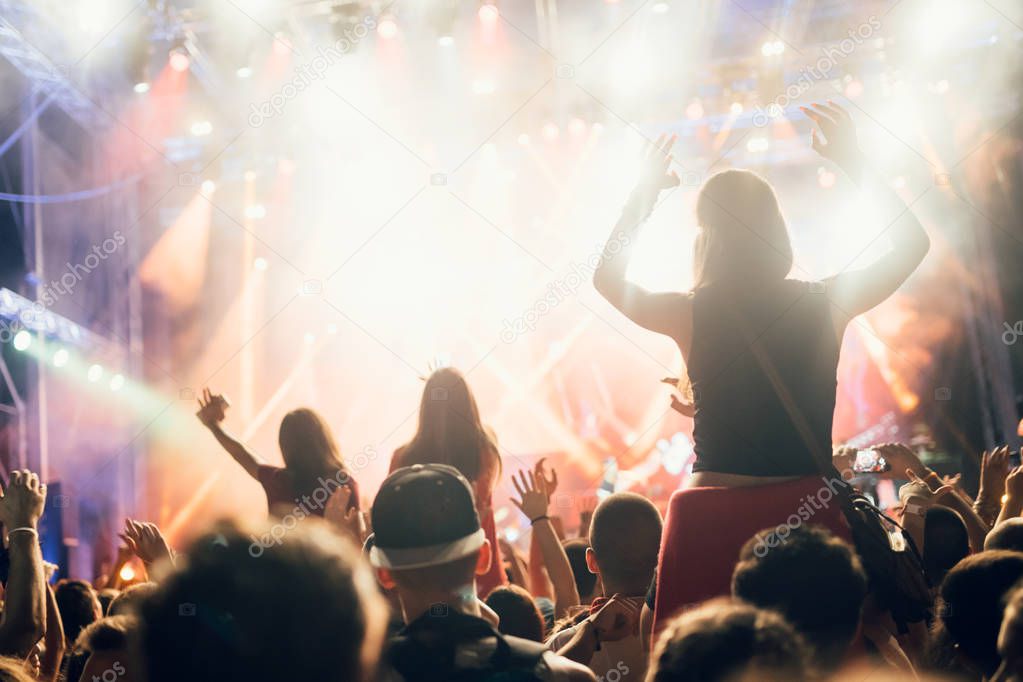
point(281, 494)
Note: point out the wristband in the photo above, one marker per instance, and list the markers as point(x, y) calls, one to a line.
point(24, 529)
point(532, 522)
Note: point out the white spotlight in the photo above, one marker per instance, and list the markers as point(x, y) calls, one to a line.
point(95, 373)
point(22, 340)
point(255, 211)
point(260, 264)
point(141, 88)
point(60, 357)
point(117, 382)
point(201, 128)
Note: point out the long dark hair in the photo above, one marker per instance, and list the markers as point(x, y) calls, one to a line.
point(308, 448)
point(450, 431)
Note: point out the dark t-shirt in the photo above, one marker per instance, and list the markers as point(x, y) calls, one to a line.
point(282, 497)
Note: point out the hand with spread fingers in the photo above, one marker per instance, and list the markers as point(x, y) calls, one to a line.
point(145, 540)
point(656, 175)
point(835, 136)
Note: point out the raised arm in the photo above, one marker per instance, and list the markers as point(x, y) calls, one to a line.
point(23, 621)
point(532, 490)
point(212, 410)
point(660, 312)
point(858, 291)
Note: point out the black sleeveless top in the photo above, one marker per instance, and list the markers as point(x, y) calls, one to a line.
point(763, 366)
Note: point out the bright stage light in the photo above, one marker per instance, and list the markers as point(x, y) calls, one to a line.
point(772, 48)
point(489, 14)
point(736, 108)
point(141, 88)
point(22, 340)
point(250, 175)
point(127, 573)
point(117, 382)
point(826, 178)
point(208, 186)
point(332, 329)
point(936, 26)
point(201, 128)
point(445, 41)
point(483, 86)
point(660, 7)
point(179, 60)
point(694, 110)
point(243, 72)
point(523, 139)
point(387, 28)
point(282, 46)
point(550, 131)
point(260, 264)
point(598, 128)
point(95, 373)
point(60, 357)
point(854, 89)
point(255, 211)
point(757, 144)
point(576, 127)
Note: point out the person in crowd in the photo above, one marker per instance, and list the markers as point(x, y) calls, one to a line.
point(534, 488)
point(103, 650)
point(127, 602)
point(313, 468)
point(585, 580)
point(23, 619)
point(970, 610)
point(726, 642)
point(239, 608)
point(105, 596)
point(813, 579)
point(79, 607)
point(14, 670)
point(625, 536)
point(1006, 535)
point(760, 348)
point(946, 542)
point(1010, 639)
point(432, 557)
point(518, 614)
point(451, 432)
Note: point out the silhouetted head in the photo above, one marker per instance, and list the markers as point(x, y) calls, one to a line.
point(625, 538)
point(308, 447)
point(450, 430)
point(743, 237)
point(946, 542)
point(519, 614)
point(585, 579)
point(723, 642)
point(1006, 535)
point(78, 606)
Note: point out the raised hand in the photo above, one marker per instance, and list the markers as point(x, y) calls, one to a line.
point(550, 484)
point(344, 517)
point(655, 176)
point(22, 502)
point(901, 457)
point(684, 408)
point(994, 468)
point(145, 541)
point(212, 408)
point(532, 493)
point(839, 142)
point(1014, 484)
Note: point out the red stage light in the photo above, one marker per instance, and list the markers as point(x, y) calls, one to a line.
point(179, 61)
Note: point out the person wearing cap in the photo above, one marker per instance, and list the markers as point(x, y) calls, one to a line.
point(428, 545)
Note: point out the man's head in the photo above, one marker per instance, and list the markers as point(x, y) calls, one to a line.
point(585, 580)
point(1006, 535)
point(305, 607)
point(78, 606)
point(972, 605)
point(1010, 637)
point(127, 602)
point(723, 642)
point(427, 538)
point(625, 538)
point(106, 648)
point(813, 579)
point(518, 613)
point(946, 542)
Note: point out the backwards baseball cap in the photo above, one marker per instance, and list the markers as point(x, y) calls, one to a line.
point(424, 515)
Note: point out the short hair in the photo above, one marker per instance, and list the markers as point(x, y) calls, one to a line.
point(518, 613)
point(112, 633)
point(446, 577)
point(105, 596)
point(1006, 535)
point(127, 602)
point(78, 606)
point(973, 600)
point(1010, 636)
point(946, 542)
point(625, 535)
point(722, 642)
point(585, 581)
point(246, 604)
point(813, 579)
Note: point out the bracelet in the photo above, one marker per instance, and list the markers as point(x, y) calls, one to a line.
point(24, 529)
point(532, 522)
